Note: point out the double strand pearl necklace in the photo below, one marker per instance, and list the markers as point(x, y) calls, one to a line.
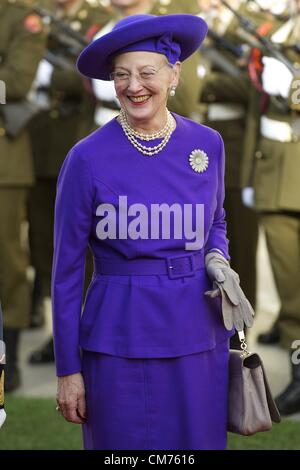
point(132, 135)
point(148, 137)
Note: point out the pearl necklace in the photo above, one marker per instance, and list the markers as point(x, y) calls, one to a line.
point(147, 137)
point(131, 135)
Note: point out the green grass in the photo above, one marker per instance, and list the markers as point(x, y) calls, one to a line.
point(283, 436)
point(34, 424)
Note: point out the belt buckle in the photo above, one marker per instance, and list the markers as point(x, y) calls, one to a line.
point(173, 266)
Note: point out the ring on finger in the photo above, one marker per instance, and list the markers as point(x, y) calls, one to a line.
point(58, 409)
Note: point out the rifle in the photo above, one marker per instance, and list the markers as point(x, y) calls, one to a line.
point(261, 42)
point(18, 114)
point(48, 17)
point(212, 52)
point(70, 41)
point(223, 43)
point(280, 16)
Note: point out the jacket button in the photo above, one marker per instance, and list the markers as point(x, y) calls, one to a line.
point(258, 154)
point(295, 139)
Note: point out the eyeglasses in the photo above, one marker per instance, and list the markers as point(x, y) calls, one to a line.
point(146, 75)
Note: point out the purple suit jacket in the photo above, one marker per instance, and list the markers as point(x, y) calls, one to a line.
point(134, 315)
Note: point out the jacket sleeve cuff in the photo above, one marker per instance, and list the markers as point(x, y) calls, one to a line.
point(218, 251)
point(68, 367)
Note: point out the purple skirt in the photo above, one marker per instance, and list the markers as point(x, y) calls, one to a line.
point(156, 404)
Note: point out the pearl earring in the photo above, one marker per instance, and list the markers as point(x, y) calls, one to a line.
point(173, 91)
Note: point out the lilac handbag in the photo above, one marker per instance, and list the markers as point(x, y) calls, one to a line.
point(251, 407)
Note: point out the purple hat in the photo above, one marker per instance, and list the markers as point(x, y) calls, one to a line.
point(176, 36)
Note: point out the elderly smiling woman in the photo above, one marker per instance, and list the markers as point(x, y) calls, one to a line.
point(144, 364)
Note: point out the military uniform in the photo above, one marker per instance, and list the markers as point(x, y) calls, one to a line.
point(54, 132)
point(226, 101)
point(272, 167)
point(21, 48)
point(188, 90)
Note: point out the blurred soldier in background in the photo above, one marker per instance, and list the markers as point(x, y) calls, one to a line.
point(67, 117)
point(187, 93)
point(21, 49)
point(224, 98)
point(274, 174)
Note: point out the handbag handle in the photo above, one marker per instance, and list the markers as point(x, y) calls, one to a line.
point(244, 346)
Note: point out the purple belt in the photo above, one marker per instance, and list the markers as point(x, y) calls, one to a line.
point(173, 266)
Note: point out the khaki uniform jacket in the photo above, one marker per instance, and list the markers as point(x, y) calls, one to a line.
point(222, 88)
point(70, 117)
point(270, 166)
point(21, 49)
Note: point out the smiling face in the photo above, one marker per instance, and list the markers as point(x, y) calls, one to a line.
point(143, 95)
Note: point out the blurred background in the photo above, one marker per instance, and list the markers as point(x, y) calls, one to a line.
point(242, 82)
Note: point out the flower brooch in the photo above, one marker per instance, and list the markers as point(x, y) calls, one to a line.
point(198, 160)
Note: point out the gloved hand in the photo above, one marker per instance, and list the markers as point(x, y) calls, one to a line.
point(236, 309)
point(276, 77)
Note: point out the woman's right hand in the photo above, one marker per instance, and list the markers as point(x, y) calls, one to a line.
point(70, 398)
point(236, 309)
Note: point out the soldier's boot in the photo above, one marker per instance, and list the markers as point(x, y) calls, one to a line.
point(12, 371)
point(43, 355)
point(288, 402)
point(270, 337)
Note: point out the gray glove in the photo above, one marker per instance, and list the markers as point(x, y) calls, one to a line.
point(236, 309)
